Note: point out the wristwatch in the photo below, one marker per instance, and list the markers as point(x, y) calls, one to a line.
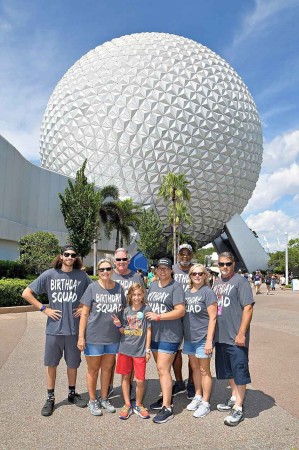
point(42, 308)
point(148, 350)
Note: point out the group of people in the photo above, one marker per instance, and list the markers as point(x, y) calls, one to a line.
point(116, 316)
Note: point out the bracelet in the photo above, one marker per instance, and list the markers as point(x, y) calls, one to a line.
point(158, 317)
point(42, 308)
point(148, 350)
point(119, 326)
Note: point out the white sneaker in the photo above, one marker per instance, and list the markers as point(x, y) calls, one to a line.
point(105, 404)
point(94, 408)
point(195, 403)
point(202, 411)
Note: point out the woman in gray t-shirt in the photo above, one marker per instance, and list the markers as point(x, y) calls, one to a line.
point(199, 328)
point(98, 337)
point(167, 300)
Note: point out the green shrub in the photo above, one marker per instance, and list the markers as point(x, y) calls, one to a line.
point(12, 269)
point(11, 292)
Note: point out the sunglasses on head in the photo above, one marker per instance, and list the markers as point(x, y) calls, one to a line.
point(72, 255)
point(227, 264)
point(193, 274)
point(104, 269)
point(121, 259)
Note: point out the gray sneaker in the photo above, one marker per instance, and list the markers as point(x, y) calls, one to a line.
point(236, 416)
point(94, 408)
point(105, 404)
point(202, 411)
point(227, 406)
point(195, 403)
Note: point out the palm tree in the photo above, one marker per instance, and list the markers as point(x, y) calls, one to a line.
point(128, 216)
point(174, 187)
point(182, 217)
point(109, 211)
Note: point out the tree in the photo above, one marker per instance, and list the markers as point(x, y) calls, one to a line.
point(174, 188)
point(37, 251)
point(150, 234)
point(183, 238)
point(202, 253)
point(80, 206)
point(128, 217)
point(182, 217)
point(277, 259)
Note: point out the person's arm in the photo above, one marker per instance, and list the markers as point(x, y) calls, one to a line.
point(27, 295)
point(212, 311)
point(148, 343)
point(82, 327)
point(245, 322)
point(177, 313)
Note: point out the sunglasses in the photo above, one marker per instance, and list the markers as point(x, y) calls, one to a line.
point(72, 255)
point(105, 269)
point(121, 259)
point(193, 274)
point(222, 264)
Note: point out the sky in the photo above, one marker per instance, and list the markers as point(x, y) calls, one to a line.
point(41, 39)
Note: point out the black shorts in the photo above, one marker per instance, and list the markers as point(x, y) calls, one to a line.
point(232, 363)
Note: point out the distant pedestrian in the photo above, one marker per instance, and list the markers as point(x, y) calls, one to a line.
point(64, 286)
point(282, 282)
point(268, 283)
point(257, 279)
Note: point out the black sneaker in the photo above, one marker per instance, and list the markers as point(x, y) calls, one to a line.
point(157, 405)
point(236, 416)
point(178, 388)
point(164, 415)
point(48, 407)
point(190, 391)
point(227, 406)
point(77, 400)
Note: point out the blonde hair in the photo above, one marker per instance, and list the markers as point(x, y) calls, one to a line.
point(201, 268)
point(134, 287)
point(106, 260)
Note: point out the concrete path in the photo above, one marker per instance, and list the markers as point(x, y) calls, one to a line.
point(271, 407)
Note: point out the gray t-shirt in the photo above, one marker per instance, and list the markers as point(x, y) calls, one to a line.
point(133, 341)
point(103, 303)
point(196, 319)
point(162, 300)
point(232, 294)
point(127, 280)
point(181, 276)
point(64, 291)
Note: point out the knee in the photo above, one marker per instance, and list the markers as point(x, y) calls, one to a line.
point(93, 372)
point(162, 371)
point(139, 383)
point(204, 372)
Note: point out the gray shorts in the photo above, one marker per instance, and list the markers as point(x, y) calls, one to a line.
point(56, 346)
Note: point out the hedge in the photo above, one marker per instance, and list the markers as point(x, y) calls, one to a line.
point(12, 269)
point(11, 292)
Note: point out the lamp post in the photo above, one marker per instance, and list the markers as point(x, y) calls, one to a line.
point(287, 259)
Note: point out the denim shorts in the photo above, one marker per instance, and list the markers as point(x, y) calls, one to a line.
point(196, 349)
point(165, 347)
point(101, 349)
point(232, 363)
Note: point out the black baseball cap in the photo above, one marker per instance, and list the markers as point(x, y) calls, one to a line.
point(68, 247)
point(164, 262)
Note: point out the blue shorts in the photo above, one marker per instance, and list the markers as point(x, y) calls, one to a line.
point(165, 347)
point(101, 349)
point(196, 349)
point(232, 363)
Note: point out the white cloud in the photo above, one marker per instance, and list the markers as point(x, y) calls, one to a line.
point(271, 227)
point(265, 13)
point(281, 151)
point(272, 187)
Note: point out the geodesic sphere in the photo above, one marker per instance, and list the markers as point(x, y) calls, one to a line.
point(146, 104)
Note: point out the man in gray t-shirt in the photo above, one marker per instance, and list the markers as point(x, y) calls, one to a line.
point(235, 308)
point(122, 274)
point(64, 286)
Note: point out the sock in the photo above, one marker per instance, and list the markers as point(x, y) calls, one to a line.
point(206, 403)
point(51, 394)
point(238, 408)
point(72, 389)
point(199, 397)
point(233, 398)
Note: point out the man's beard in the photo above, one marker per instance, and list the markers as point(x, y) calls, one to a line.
point(185, 263)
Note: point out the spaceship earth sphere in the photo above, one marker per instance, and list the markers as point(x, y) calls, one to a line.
point(146, 104)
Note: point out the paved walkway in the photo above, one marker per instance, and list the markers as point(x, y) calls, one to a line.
point(272, 412)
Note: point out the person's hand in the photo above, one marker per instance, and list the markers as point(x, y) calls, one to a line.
point(116, 320)
point(209, 347)
point(153, 316)
point(147, 357)
point(240, 340)
point(81, 344)
point(54, 314)
point(77, 312)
